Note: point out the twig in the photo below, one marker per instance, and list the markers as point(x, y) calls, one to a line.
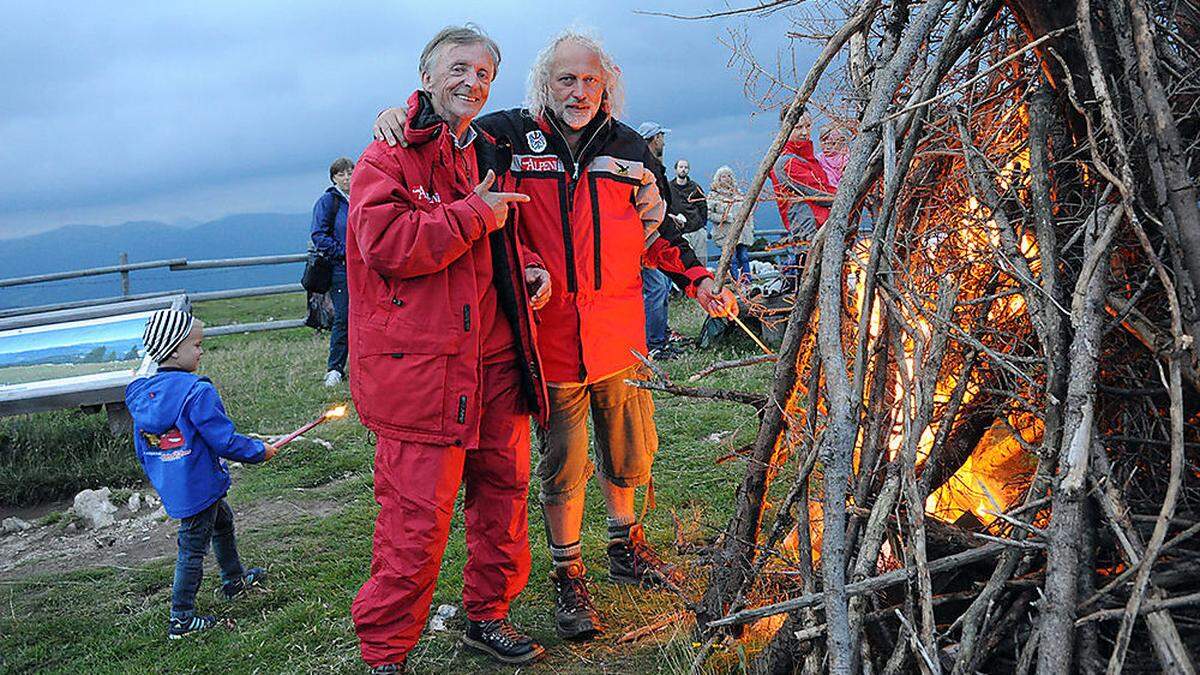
point(736, 363)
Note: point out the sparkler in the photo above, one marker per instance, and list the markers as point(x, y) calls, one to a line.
point(760, 343)
point(332, 413)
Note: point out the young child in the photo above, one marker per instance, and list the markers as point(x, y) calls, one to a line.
point(181, 434)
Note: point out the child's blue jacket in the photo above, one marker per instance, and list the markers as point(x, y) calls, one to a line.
point(181, 432)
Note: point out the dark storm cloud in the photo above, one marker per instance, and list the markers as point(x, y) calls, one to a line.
point(127, 111)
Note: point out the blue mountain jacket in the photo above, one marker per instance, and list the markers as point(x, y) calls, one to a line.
point(328, 227)
point(181, 433)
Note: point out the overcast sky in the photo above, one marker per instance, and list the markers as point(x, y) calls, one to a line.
point(179, 112)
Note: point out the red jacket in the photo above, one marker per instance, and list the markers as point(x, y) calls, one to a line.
point(589, 219)
point(417, 245)
point(798, 176)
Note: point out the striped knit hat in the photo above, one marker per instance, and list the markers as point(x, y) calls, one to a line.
point(165, 329)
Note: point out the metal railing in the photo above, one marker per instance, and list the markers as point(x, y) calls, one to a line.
point(17, 317)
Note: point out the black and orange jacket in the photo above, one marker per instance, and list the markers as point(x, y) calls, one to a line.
point(594, 219)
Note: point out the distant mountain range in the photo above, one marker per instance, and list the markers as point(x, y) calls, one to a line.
point(122, 350)
point(83, 246)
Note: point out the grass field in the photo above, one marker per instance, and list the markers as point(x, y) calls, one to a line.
point(113, 619)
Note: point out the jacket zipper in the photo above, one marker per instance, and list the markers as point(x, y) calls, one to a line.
point(570, 183)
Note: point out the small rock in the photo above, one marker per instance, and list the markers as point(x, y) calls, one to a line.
point(71, 527)
point(160, 514)
point(152, 501)
point(15, 524)
point(135, 502)
point(95, 507)
point(444, 613)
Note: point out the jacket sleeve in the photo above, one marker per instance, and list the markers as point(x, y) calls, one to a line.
point(321, 230)
point(650, 205)
point(666, 248)
point(399, 240)
point(208, 417)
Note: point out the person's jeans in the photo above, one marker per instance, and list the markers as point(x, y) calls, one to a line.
point(741, 263)
point(213, 524)
point(656, 290)
point(338, 343)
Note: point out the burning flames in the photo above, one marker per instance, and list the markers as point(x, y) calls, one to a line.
point(334, 413)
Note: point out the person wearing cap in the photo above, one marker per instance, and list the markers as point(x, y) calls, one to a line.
point(182, 436)
point(656, 287)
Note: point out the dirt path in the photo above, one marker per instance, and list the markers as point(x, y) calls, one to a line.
point(134, 540)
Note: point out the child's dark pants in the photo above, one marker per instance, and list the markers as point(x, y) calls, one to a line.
point(212, 524)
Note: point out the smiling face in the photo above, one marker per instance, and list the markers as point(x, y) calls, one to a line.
point(577, 82)
point(458, 82)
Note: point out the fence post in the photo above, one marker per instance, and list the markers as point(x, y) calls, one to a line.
point(124, 274)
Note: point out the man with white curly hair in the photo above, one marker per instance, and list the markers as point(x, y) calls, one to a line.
point(595, 216)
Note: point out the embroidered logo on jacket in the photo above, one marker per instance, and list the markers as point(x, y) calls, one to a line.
point(537, 140)
point(419, 191)
point(536, 163)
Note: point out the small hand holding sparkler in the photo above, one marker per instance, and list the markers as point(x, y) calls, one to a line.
point(332, 413)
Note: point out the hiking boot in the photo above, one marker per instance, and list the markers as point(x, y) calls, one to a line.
point(574, 614)
point(633, 561)
point(253, 577)
point(181, 628)
point(500, 640)
point(333, 378)
point(387, 669)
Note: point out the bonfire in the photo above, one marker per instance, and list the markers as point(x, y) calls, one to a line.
point(979, 450)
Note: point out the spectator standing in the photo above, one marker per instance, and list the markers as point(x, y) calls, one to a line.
point(656, 287)
point(724, 203)
point(689, 201)
point(328, 232)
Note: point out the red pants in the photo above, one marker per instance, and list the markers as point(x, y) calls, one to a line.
point(415, 486)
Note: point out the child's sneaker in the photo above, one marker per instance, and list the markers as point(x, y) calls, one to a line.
point(253, 577)
point(180, 628)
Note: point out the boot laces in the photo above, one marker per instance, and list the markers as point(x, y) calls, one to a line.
point(574, 595)
point(503, 631)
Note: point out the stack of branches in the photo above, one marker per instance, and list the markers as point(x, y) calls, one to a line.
point(987, 410)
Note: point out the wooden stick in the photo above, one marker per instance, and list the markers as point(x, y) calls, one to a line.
point(760, 343)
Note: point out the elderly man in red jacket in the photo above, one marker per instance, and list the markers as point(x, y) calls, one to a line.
point(444, 365)
point(595, 215)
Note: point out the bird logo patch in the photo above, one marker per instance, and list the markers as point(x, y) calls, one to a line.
point(537, 140)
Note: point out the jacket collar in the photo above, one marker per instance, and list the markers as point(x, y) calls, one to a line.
point(424, 125)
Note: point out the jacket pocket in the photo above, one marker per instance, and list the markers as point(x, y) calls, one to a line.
point(402, 377)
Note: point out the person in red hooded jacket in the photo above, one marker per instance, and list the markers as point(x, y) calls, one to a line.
point(595, 216)
point(444, 368)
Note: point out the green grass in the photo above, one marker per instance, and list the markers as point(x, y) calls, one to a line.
point(113, 620)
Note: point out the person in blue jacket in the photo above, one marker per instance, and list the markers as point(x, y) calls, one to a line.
point(182, 435)
point(329, 237)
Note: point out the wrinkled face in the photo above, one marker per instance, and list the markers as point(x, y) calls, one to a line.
point(459, 80)
point(342, 180)
point(187, 354)
point(682, 168)
point(577, 82)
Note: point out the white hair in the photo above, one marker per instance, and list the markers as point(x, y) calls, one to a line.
point(720, 173)
point(538, 98)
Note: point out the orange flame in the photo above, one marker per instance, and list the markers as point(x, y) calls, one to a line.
point(334, 413)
